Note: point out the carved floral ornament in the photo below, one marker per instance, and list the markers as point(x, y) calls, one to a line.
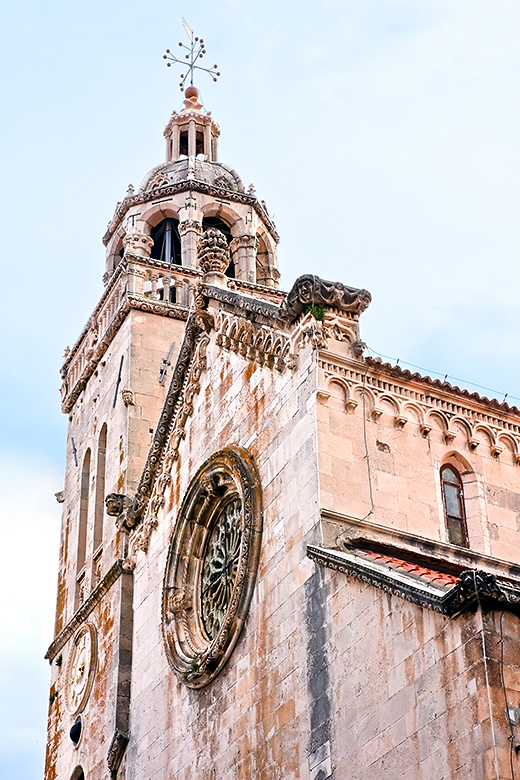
point(212, 565)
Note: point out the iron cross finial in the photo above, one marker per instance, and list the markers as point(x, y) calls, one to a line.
point(196, 51)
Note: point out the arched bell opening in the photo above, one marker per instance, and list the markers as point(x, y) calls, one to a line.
point(166, 241)
point(219, 224)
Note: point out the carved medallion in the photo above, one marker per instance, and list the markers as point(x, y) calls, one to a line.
point(81, 668)
point(211, 567)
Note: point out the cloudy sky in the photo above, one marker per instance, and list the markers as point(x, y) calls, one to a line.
point(384, 137)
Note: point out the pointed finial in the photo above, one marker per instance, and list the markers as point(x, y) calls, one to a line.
point(196, 51)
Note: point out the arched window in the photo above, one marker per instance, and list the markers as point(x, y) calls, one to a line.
point(99, 506)
point(219, 224)
point(82, 530)
point(454, 510)
point(166, 241)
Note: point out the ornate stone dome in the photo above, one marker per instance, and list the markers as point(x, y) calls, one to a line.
point(213, 173)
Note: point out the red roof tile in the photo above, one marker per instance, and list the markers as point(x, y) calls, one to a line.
point(436, 577)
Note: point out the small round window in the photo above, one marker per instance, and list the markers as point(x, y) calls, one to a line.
point(211, 567)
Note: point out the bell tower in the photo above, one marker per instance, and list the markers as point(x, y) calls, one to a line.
point(114, 386)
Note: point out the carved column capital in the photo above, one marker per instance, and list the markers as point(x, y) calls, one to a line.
point(137, 244)
point(243, 242)
point(190, 225)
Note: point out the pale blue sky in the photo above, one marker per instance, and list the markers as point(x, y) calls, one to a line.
point(384, 138)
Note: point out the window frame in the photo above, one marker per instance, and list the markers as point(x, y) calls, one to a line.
point(451, 519)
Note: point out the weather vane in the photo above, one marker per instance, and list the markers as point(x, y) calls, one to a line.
point(196, 52)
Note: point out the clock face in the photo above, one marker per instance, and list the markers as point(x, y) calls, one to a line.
point(80, 668)
point(211, 567)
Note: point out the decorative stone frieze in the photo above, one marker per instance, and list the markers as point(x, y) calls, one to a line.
point(185, 185)
point(462, 418)
point(261, 345)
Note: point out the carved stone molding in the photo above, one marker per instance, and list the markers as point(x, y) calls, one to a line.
point(245, 303)
point(309, 290)
point(116, 750)
point(178, 406)
point(186, 185)
point(86, 608)
point(473, 587)
point(264, 346)
point(211, 567)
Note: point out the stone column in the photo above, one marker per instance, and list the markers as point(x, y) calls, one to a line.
point(207, 143)
point(166, 289)
point(243, 252)
point(192, 131)
point(154, 278)
point(271, 276)
point(190, 232)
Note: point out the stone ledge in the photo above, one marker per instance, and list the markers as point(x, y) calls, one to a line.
point(86, 608)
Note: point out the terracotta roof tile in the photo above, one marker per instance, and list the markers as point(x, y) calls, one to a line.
point(430, 575)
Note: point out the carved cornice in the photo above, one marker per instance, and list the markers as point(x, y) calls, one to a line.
point(424, 596)
point(438, 384)
point(177, 407)
point(86, 608)
point(343, 531)
point(460, 415)
point(473, 588)
point(116, 750)
point(141, 303)
point(310, 290)
point(196, 186)
point(265, 346)
point(269, 310)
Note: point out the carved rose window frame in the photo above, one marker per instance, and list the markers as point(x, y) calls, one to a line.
point(211, 566)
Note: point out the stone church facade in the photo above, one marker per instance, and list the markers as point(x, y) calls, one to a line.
point(279, 559)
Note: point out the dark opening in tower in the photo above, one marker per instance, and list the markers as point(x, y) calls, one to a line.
point(166, 241)
point(199, 143)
